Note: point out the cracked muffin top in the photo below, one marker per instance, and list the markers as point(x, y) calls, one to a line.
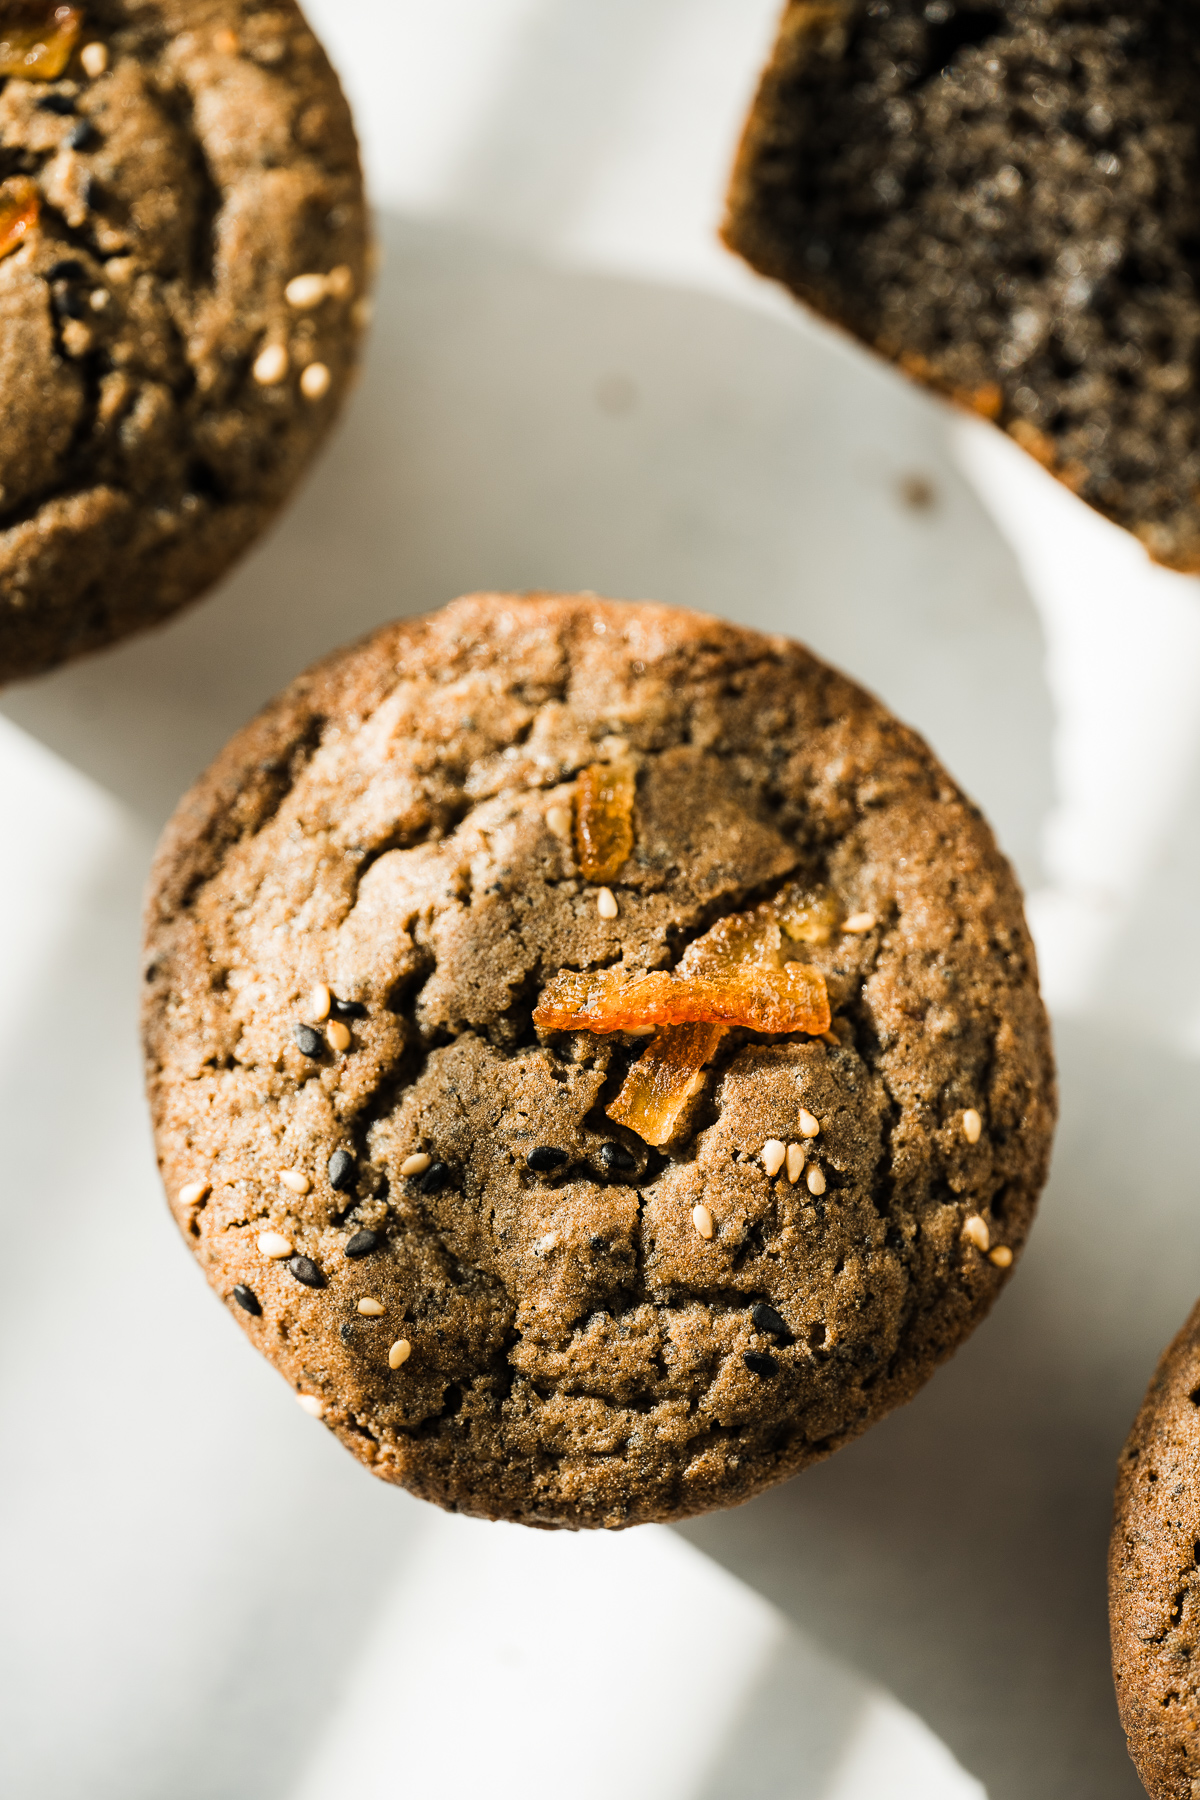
point(595, 1052)
point(1153, 1577)
point(182, 263)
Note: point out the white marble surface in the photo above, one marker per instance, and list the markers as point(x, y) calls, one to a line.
point(571, 385)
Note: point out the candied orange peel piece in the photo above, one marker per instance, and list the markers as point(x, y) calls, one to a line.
point(665, 1077)
point(734, 974)
point(36, 41)
point(754, 995)
point(604, 819)
point(20, 205)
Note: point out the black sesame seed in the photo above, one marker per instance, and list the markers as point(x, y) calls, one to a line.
point(68, 269)
point(56, 103)
point(436, 1177)
point(306, 1270)
point(69, 304)
point(248, 1300)
point(363, 1242)
point(347, 1009)
point(342, 1170)
point(767, 1319)
point(346, 1331)
point(545, 1158)
point(311, 1042)
point(93, 193)
point(83, 136)
point(759, 1363)
point(615, 1159)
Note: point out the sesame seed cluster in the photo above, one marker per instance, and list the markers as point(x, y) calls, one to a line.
point(183, 263)
point(429, 1212)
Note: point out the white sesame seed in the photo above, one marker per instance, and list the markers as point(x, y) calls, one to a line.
point(319, 1002)
point(193, 1193)
point(271, 365)
point(94, 58)
point(606, 903)
point(863, 921)
point(816, 1180)
point(1002, 1256)
point(370, 1309)
point(976, 1232)
point(399, 1353)
point(305, 291)
point(810, 1126)
point(558, 818)
point(795, 1162)
point(313, 1407)
point(641, 1031)
point(416, 1164)
point(338, 1035)
point(972, 1125)
point(98, 299)
point(274, 1245)
point(702, 1219)
point(315, 381)
point(295, 1180)
point(340, 281)
point(773, 1153)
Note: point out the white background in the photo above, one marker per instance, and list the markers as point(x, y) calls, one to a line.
point(571, 385)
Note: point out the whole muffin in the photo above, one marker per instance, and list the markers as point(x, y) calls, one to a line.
point(1001, 196)
point(182, 262)
point(596, 1054)
point(1153, 1577)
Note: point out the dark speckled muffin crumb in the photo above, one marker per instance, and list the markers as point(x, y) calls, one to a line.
point(527, 1309)
point(1001, 196)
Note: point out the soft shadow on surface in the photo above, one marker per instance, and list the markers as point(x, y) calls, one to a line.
point(519, 426)
point(957, 1552)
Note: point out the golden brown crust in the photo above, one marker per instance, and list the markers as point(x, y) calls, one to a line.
point(579, 1350)
point(1154, 1578)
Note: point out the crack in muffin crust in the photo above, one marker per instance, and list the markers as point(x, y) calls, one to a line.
point(181, 320)
point(351, 919)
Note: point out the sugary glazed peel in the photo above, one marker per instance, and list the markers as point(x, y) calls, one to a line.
point(36, 39)
point(731, 976)
point(572, 1276)
point(20, 206)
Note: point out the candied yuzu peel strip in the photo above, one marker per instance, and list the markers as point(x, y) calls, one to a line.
point(20, 206)
point(729, 976)
point(36, 41)
point(665, 1077)
point(793, 998)
point(604, 798)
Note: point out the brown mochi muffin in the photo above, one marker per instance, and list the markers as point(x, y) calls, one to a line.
point(429, 1211)
point(1003, 197)
point(1153, 1577)
point(183, 247)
